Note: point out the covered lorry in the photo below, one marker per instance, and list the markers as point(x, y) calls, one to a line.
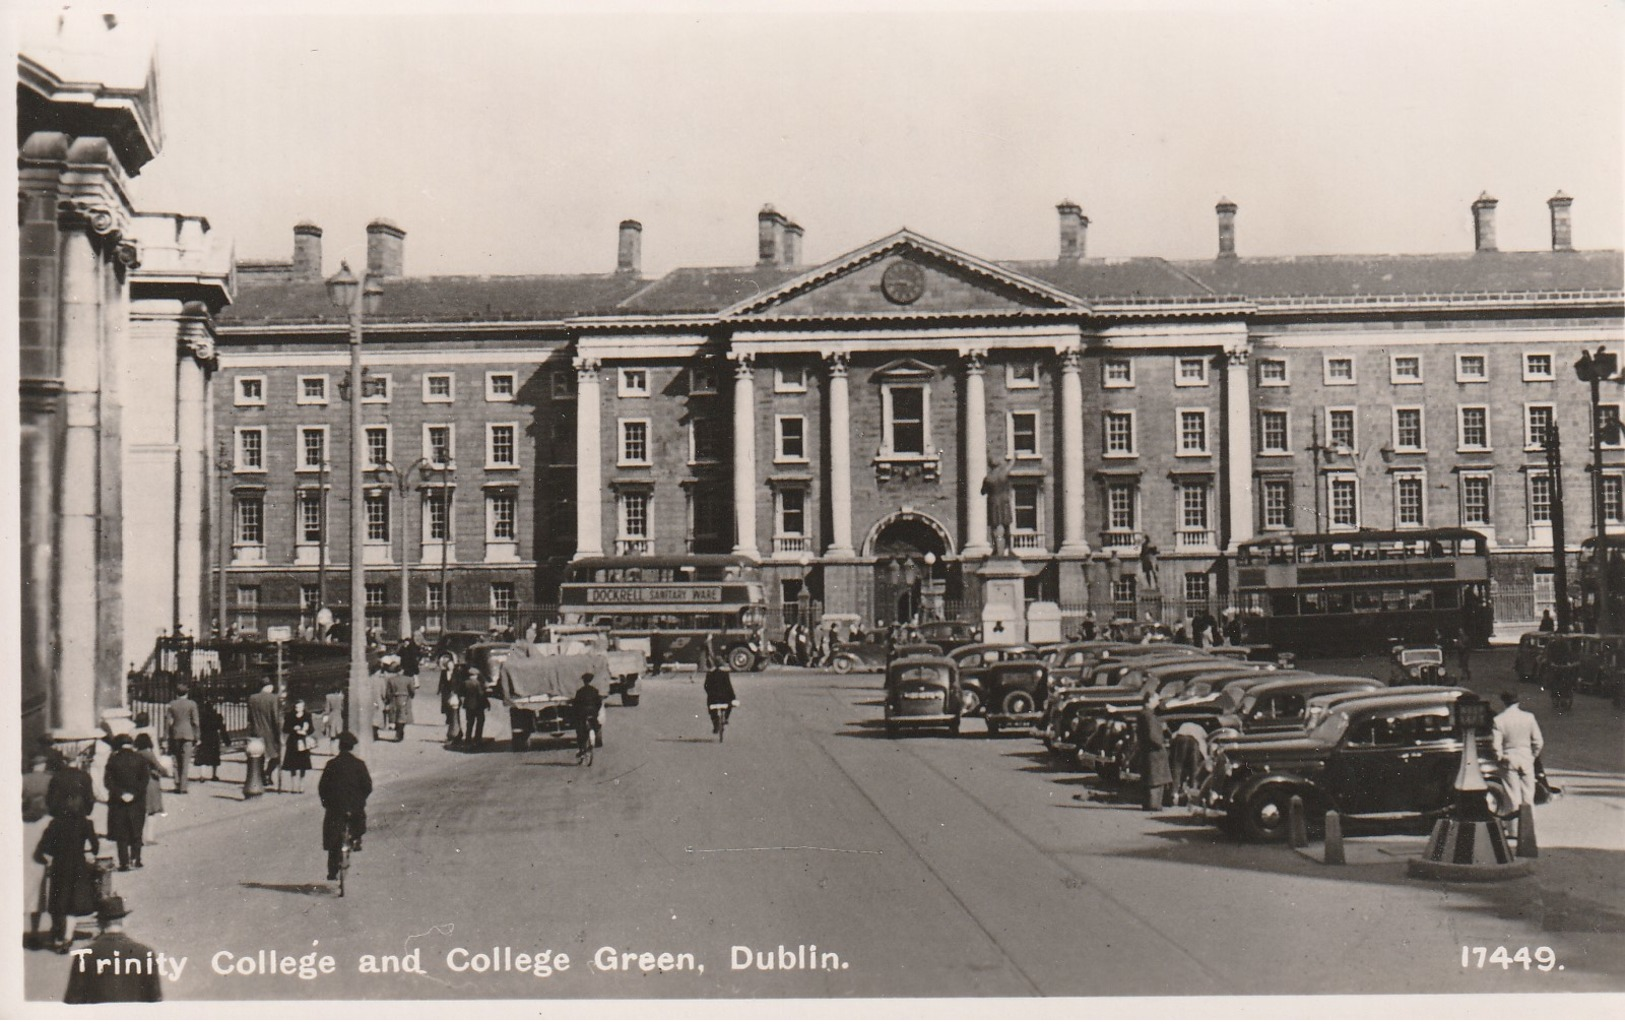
point(537, 687)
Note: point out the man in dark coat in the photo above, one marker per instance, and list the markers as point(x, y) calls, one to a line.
point(126, 778)
point(1155, 772)
point(344, 788)
point(72, 791)
point(87, 983)
point(265, 723)
point(719, 695)
point(184, 727)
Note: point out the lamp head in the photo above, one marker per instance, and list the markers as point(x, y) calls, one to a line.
point(342, 287)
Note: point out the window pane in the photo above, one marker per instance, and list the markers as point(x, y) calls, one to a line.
point(1024, 433)
point(908, 420)
point(793, 513)
point(792, 443)
point(1025, 498)
point(502, 453)
point(1340, 428)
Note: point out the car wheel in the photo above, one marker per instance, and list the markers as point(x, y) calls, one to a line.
point(1500, 801)
point(844, 664)
point(740, 659)
point(992, 728)
point(1018, 702)
point(970, 702)
point(1264, 819)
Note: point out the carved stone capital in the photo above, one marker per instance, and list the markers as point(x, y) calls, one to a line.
point(836, 363)
point(98, 219)
point(199, 344)
point(744, 365)
point(127, 254)
point(587, 368)
point(975, 360)
point(1236, 358)
point(1071, 360)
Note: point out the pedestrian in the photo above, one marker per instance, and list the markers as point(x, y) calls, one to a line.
point(1518, 742)
point(711, 658)
point(136, 982)
point(1463, 653)
point(719, 696)
point(1087, 629)
point(265, 725)
point(70, 875)
point(184, 724)
point(126, 778)
point(324, 623)
point(409, 654)
point(333, 720)
point(398, 691)
point(344, 787)
point(156, 770)
point(36, 807)
point(1546, 623)
point(475, 703)
point(1188, 753)
point(37, 786)
point(211, 736)
point(375, 696)
point(1155, 774)
point(1232, 630)
point(451, 698)
point(72, 790)
point(300, 728)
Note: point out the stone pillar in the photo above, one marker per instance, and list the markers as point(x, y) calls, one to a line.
point(975, 457)
point(1074, 541)
point(192, 441)
point(1238, 455)
point(744, 454)
point(840, 459)
point(589, 456)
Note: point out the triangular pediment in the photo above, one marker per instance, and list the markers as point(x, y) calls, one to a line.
point(905, 274)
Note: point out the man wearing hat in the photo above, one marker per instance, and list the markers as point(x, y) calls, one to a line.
point(265, 723)
point(87, 983)
point(398, 693)
point(344, 787)
point(126, 778)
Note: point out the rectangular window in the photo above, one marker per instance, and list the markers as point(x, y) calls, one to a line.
point(250, 449)
point(250, 519)
point(1198, 588)
point(1472, 368)
point(310, 597)
point(1272, 432)
point(1117, 373)
point(790, 379)
point(563, 384)
point(1119, 433)
point(312, 448)
point(905, 420)
point(793, 512)
point(377, 509)
point(1473, 427)
point(1125, 594)
point(1475, 500)
point(250, 391)
point(375, 389)
point(377, 441)
point(1024, 435)
point(1540, 499)
point(1613, 494)
point(710, 518)
point(1277, 504)
point(434, 598)
point(438, 444)
point(1406, 370)
point(705, 439)
point(1120, 507)
point(1339, 370)
point(1408, 510)
point(1537, 425)
point(312, 390)
point(1022, 373)
point(1190, 371)
point(1608, 423)
point(501, 386)
point(310, 517)
point(634, 515)
point(503, 605)
point(1024, 499)
point(1192, 432)
point(377, 595)
point(437, 387)
point(1193, 507)
point(499, 516)
point(1538, 366)
point(435, 524)
point(635, 442)
point(1408, 430)
point(792, 437)
point(1340, 429)
point(1345, 502)
point(501, 447)
point(1272, 373)
point(702, 380)
point(248, 608)
point(634, 382)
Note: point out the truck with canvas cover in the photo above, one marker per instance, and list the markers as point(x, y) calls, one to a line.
point(537, 687)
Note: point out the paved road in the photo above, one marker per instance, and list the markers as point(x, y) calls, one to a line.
point(927, 866)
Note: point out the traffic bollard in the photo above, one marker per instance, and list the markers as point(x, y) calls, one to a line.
point(1334, 839)
point(254, 782)
point(1527, 845)
point(1297, 829)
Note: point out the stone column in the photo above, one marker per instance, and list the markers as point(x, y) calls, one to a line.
point(744, 455)
point(589, 456)
point(840, 459)
point(1238, 456)
point(1073, 538)
point(192, 442)
point(975, 456)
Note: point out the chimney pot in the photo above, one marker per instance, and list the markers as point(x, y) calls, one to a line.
point(1227, 227)
point(307, 252)
point(790, 254)
point(1484, 223)
point(629, 250)
point(1562, 227)
point(769, 236)
point(1074, 230)
point(386, 249)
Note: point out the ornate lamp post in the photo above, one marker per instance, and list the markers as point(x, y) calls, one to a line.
point(224, 525)
point(1593, 368)
point(357, 299)
point(447, 468)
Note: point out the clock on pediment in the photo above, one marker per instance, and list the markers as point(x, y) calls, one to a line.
point(903, 282)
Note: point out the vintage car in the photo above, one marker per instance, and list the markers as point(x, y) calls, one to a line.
point(922, 692)
point(1386, 758)
point(1530, 647)
point(866, 653)
point(1412, 665)
point(456, 643)
point(916, 650)
point(486, 658)
point(1283, 705)
point(972, 659)
point(1014, 693)
point(949, 635)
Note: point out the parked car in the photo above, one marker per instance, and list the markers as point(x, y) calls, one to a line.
point(866, 653)
point(922, 692)
point(1411, 665)
point(973, 659)
point(1283, 705)
point(918, 650)
point(1385, 758)
point(486, 658)
point(949, 635)
point(1014, 693)
point(1530, 647)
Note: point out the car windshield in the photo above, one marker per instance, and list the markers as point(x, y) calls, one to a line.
point(919, 674)
point(1332, 728)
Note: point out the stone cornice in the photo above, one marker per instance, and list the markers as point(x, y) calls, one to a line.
point(128, 115)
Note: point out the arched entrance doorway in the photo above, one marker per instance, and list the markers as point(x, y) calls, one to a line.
point(913, 577)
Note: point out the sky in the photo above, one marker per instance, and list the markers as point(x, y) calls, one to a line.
point(510, 139)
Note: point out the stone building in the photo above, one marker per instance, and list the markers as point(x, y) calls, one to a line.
point(835, 423)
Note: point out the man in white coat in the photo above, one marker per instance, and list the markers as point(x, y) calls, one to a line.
point(1517, 743)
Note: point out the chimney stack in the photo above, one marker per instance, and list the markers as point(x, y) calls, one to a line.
point(769, 236)
point(790, 253)
point(386, 249)
point(1227, 227)
point(629, 251)
point(1562, 228)
point(1484, 223)
point(307, 252)
point(1074, 226)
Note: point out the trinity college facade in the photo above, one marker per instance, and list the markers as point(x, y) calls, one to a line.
point(835, 423)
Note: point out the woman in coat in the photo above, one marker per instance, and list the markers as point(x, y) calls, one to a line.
point(72, 876)
point(300, 728)
point(333, 720)
point(451, 698)
point(398, 692)
point(1155, 773)
point(211, 733)
point(156, 770)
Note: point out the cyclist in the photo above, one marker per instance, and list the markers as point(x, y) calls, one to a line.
point(587, 705)
point(719, 696)
point(344, 788)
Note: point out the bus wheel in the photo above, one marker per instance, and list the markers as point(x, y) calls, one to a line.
point(740, 659)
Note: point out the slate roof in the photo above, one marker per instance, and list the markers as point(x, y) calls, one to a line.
point(707, 289)
point(1447, 274)
point(1094, 280)
point(441, 299)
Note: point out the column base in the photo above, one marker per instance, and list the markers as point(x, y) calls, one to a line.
point(579, 555)
point(1079, 549)
point(976, 551)
point(750, 553)
point(845, 552)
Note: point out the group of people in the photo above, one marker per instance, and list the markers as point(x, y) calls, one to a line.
point(1203, 629)
point(463, 701)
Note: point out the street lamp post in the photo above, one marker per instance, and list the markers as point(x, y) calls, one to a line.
point(402, 478)
point(447, 467)
point(1593, 368)
point(356, 299)
point(321, 538)
point(222, 463)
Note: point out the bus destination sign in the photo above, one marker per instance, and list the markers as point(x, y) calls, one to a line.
point(655, 594)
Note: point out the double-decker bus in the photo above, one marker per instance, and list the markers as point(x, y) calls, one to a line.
point(673, 603)
point(1343, 593)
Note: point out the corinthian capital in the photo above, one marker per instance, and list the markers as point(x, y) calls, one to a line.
point(975, 360)
point(1236, 358)
point(744, 365)
point(1071, 360)
point(835, 362)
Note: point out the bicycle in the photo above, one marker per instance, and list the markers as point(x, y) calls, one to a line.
point(345, 846)
point(586, 739)
point(719, 718)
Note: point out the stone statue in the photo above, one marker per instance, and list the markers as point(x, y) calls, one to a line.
point(1001, 513)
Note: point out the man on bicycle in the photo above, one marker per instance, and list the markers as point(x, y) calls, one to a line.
point(719, 695)
point(344, 788)
point(587, 705)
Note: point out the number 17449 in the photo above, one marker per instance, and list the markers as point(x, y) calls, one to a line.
point(1543, 958)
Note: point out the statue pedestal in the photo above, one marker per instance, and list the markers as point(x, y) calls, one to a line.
point(1004, 600)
